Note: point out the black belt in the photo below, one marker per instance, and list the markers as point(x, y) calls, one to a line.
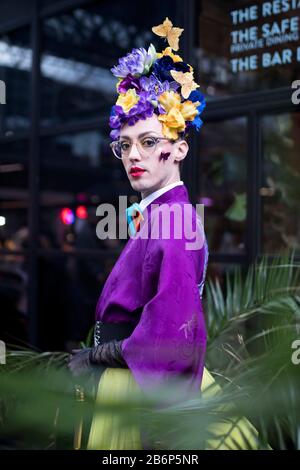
point(105, 332)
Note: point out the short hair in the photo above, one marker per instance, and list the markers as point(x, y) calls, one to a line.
point(181, 167)
point(183, 136)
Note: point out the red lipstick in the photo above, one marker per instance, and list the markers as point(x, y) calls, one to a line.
point(136, 171)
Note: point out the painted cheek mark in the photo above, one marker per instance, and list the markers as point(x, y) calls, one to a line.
point(164, 156)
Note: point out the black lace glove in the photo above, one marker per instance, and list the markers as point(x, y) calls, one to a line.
point(108, 354)
point(79, 362)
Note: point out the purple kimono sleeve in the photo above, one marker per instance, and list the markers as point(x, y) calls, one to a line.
point(169, 342)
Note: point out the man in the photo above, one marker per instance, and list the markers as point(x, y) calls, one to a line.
point(150, 327)
point(150, 324)
point(156, 283)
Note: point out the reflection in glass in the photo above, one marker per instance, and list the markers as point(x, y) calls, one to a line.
point(69, 287)
point(80, 47)
point(67, 296)
point(78, 173)
point(13, 9)
point(14, 195)
point(14, 297)
point(15, 68)
point(217, 273)
point(222, 179)
point(225, 47)
point(280, 186)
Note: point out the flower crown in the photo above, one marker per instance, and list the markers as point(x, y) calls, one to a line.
point(161, 83)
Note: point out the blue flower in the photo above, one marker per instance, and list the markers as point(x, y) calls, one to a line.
point(162, 67)
point(196, 95)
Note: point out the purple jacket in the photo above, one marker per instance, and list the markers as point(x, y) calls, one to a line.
point(157, 283)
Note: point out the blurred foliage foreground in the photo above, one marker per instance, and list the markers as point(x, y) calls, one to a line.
point(253, 354)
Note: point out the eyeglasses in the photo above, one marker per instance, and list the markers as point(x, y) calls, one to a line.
point(146, 146)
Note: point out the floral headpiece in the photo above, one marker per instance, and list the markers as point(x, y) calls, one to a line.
point(161, 83)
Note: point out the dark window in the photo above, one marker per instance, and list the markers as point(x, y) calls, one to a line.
point(280, 189)
point(78, 173)
point(80, 47)
point(246, 46)
point(222, 178)
point(14, 195)
point(15, 69)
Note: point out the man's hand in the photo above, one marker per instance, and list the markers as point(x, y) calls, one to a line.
point(109, 354)
point(79, 361)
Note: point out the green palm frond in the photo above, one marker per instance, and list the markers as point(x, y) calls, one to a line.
point(265, 289)
point(252, 322)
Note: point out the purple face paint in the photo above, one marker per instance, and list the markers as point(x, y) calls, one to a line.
point(164, 156)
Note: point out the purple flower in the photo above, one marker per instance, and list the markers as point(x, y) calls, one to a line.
point(149, 77)
point(141, 110)
point(114, 120)
point(129, 82)
point(137, 62)
point(114, 135)
point(155, 87)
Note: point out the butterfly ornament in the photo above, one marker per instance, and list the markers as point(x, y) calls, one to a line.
point(168, 31)
point(186, 80)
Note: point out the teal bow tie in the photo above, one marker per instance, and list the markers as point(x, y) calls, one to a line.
point(134, 216)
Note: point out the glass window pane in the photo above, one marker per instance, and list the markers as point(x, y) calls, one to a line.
point(14, 325)
point(69, 287)
point(15, 68)
point(13, 9)
point(45, 3)
point(222, 179)
point(217, 272)
point(280, 188)
point(14, 195)
point(78, 173)
point(80, 47)
point(247, 46)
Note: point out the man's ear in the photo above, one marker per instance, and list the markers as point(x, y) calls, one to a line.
point(182, 148)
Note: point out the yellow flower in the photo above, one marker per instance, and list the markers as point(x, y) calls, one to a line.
point(189, 110)
point(169, 100)
point(118, 83)
point(176, 113)
point(168, 51)
point(127, 100)
point(173, 122)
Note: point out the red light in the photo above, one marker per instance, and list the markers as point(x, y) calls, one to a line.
point(81, 212)
point(67, 216)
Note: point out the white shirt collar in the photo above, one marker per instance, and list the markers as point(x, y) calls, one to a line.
point(148, 199)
